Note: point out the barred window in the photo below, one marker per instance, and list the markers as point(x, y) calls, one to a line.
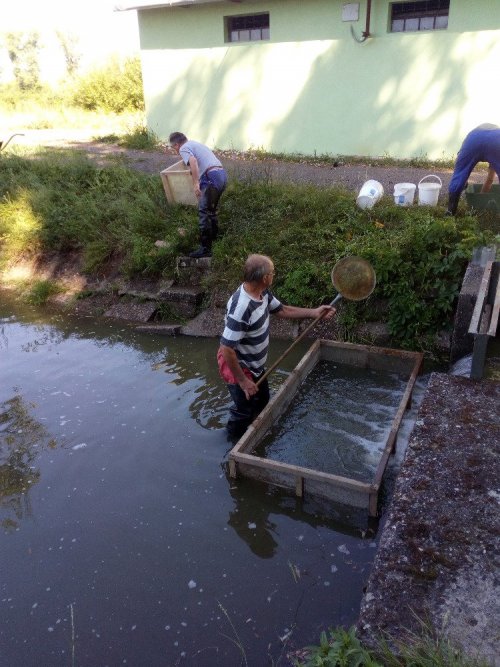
point(249, 28)
point(419, 16)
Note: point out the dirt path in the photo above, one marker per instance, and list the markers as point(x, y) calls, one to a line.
point(243, 167)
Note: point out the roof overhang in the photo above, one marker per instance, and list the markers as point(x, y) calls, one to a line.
point(167, 4)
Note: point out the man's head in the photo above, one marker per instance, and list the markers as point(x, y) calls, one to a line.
point(258, 269)
point(176, 139)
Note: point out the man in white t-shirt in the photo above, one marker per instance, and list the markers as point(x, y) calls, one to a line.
point(209, 182)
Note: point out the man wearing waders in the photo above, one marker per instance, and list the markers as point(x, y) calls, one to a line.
point(245, 341)
point(209, 182)
point(481, 145)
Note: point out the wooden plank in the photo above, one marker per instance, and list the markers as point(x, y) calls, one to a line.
point(396, 423)
point(481, 297)
point(315, 488)
point(492, 330)
point(307, 473)
point(364, 356)
point(373, 504)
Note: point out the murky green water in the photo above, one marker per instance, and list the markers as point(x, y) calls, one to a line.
point(123, 540)
point(338, 422)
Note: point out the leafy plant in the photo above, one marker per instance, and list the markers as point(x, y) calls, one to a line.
point(338, 648)
point(40, 291)
point(116, 87)
point(139, 138)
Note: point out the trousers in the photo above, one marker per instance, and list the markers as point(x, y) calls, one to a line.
point(212, 185)
point(243, 411)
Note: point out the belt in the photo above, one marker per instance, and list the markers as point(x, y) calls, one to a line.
point(211, 168)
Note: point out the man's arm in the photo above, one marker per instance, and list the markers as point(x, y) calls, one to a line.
point(296, 313)
point(195, 175)
point(489, 180)
point(246, 384)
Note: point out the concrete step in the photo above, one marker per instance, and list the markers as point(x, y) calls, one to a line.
point(184, 302)
point(160, 329)
point(191, 272)
point(127, 310)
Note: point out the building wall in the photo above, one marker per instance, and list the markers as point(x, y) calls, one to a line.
point(312, 88)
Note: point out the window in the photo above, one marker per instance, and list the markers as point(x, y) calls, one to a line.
point(422, 15)
point(250, 28)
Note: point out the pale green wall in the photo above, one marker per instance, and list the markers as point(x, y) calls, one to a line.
point(312, 87)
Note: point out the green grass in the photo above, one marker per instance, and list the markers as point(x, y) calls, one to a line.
point(40, 291)
point(60, 202)
point(341, 648)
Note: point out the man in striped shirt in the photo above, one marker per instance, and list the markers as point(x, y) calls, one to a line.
point(245, 340)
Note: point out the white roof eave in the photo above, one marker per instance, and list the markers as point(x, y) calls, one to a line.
point(165, 4)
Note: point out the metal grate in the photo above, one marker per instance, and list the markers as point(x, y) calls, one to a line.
point(418, 16)
point(249, 28)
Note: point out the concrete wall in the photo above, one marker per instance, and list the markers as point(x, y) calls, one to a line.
point(312, 87)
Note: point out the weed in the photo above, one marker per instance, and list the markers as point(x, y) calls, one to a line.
point(341, 648)
point(236, 641)
point(140, 138)
point(40, 291)
point(338, 648)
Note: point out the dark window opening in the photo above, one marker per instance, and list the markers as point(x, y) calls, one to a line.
point(422, 15)
point(251, 28)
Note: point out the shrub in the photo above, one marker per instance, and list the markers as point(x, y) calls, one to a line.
point(117, 87)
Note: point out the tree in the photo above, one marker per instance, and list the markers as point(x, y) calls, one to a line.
point(72, 57)
point(24, 49)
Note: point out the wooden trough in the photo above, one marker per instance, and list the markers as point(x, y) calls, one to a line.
point(178, 184)
point(243, 459)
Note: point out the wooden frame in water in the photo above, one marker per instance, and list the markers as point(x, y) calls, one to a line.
point(244, 460)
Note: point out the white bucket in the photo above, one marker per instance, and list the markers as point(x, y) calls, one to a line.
point(428, 193)
point(404, 193)
point(369, 194)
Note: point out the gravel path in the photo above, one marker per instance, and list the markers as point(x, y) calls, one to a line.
point(243, 167)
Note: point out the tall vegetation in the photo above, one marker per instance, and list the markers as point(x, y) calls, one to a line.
point(64, 203)
point(23, 49)
point(116, 87)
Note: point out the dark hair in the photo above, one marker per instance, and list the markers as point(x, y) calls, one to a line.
point(177, 138)
point(256, 267)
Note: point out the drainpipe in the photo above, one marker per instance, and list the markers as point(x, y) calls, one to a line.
point(366, 33)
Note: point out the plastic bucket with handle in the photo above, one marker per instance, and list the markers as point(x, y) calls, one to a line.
point(428, 193)
point(404, 193)
point(369, 194)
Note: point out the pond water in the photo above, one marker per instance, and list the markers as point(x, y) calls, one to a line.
point(123, 539)
point(338, 422)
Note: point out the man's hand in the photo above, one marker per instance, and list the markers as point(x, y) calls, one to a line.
point(325, 312)
point(249, 387)
point(195, 175)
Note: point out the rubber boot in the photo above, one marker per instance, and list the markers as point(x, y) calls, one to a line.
point(205, 249)
point(453, 199)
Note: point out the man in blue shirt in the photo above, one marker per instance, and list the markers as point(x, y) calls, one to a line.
point(245, 340)
point(209, 182)
point(482, 144)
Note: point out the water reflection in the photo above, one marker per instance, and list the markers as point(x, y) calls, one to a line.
point(254, 502)
point(22, 438)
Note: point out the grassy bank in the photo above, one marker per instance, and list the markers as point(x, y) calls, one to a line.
point(60, 202)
